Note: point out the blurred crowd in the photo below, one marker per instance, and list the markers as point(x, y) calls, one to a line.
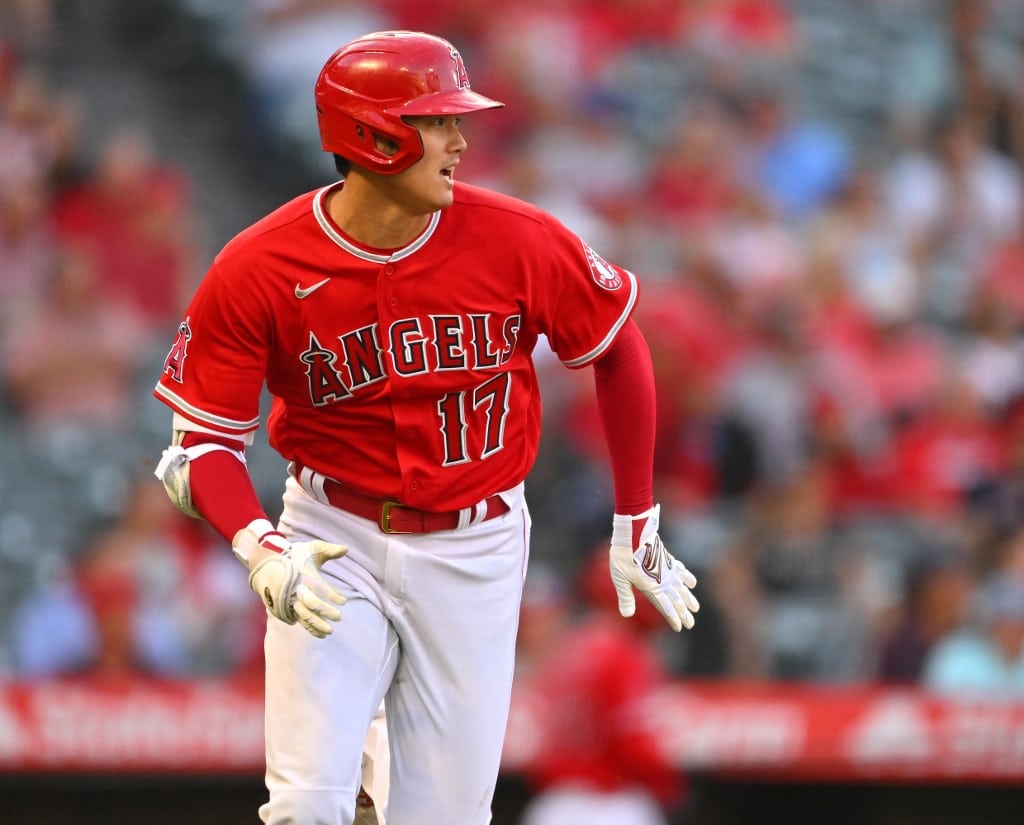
point(824, 204)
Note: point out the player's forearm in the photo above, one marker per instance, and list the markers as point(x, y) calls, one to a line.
point(624, 382)
point(222, 490)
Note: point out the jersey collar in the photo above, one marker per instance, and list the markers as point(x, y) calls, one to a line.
point(373, 257)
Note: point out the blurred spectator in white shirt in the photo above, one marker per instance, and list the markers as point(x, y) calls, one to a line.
point(985, 659)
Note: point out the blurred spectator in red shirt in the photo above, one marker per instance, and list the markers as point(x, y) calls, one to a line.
point(600, 759)
point(752, 28)
point(945, 455)
point(900, 361)
point(628, 24)
point(466, 17)
point(691, 180)
point(555, 48)
point(851, 427)
point(999, 278)
point(132, 216)
point(70, 360)
point(27, 246)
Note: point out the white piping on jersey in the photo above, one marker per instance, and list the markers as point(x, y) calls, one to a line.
point(583, 359)
point(216, 421)
point(352, 249)
point(186, 425)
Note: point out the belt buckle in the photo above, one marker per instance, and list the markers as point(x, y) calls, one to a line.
point(385, 517)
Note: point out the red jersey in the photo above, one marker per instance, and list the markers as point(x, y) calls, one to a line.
point(595, 731)
point(405, 373)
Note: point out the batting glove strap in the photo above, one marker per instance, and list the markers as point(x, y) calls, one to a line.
point(287, 578)
point(639, 559)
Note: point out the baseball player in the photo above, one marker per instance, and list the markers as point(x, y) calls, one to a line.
point(392, 315)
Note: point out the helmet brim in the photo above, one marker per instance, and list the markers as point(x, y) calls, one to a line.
point(457, 102)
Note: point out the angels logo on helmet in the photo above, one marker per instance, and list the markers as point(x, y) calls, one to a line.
point(461, 75)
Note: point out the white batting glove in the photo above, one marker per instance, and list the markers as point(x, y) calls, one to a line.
point(287, 576)
point(638, 558)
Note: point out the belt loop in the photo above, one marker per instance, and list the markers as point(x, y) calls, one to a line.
point(479, 512)
point(474, 514)
point(313, 483)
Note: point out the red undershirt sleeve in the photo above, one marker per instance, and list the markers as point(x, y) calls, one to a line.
point(221, 487)
point(624, 382)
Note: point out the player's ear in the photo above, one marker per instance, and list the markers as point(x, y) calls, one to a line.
point(388, 147)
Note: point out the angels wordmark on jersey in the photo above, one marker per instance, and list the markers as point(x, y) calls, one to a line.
point(413, 347)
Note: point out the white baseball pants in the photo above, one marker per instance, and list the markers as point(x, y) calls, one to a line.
point(429, 627)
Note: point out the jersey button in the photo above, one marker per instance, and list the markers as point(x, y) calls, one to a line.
point(389, 270)
point(394, 302)
point(415, 485)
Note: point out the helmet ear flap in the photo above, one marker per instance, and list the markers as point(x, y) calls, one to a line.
point(381, 143)
point(367, 86)
point(383, 150)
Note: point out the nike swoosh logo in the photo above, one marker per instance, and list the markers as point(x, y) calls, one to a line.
point(304, 292)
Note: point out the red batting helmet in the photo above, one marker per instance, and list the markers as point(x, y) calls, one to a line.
point(367, 87)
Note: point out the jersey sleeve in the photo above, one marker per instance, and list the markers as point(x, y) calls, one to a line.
point(584, 301)
point(214, 372)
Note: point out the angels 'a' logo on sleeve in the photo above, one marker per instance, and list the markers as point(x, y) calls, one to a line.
point(605, 275)
point(174, 363)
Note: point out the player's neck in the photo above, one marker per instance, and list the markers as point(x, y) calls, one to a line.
point(371, 219)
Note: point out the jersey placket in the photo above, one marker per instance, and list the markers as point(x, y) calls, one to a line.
point(404, 365)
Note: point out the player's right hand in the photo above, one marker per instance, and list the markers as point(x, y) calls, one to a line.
point(287, 578)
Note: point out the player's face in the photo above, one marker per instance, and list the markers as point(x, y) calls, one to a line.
point(429, 183)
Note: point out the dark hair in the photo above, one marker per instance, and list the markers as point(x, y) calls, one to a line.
point(343, 165)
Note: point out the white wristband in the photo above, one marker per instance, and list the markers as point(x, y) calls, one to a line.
point(250, 538)
point(622, 526)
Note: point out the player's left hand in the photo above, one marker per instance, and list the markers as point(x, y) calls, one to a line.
point(639, 559)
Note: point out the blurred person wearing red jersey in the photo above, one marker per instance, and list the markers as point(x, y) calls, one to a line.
point(393, 317)
point(600, 759)
point(132, 216)
point(68, 359)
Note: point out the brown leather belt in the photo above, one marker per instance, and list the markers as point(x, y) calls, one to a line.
point(393, 516)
